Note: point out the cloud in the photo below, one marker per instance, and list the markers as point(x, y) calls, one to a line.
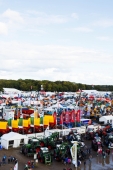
point(51, 62)
point(82, 29)
point(104, 23)
point(41, 18)
point(3, 28)
point(104, 38)
point(74, 15)
point(13, 16)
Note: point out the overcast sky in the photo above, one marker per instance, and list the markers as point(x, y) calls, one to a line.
point(53, 40)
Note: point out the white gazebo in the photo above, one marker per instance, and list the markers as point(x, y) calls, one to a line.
point(13, 139)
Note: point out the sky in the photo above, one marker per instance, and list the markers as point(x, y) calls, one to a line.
point(67, 40)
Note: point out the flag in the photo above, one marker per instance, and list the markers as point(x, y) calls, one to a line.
point(67, 116)
point(47, 131)
point(16, 166)
point(72, 116)
point(61, 119)
point(74, 153)
point(78, 116)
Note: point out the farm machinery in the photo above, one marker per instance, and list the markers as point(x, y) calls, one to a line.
point(108, 140)
point(61, 151)
point(44, 156)
point(97, 143)
point(31, 148)
point(51, 141)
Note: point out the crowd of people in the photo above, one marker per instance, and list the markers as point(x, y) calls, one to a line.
point(8, 160)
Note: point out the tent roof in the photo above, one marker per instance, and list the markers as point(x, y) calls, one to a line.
point(12, 136)
point(106, 117)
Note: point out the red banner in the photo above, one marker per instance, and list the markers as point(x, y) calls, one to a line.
point(67, 117)
point(78, 116)
point(61, 119)
point(72, 116)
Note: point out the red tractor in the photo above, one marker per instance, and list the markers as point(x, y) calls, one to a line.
point(97, 143)
point(90, 133)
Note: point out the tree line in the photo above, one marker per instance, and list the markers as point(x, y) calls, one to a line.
point(59, 86)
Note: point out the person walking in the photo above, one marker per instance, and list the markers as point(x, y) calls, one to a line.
point(108, 151)
point(84, 163)
point(90, 157)
point(103, 154)
point(9, 160)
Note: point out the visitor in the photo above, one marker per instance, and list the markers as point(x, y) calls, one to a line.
point(9, 160)
point(84, 163)
point(90, 157)
point(108, 151)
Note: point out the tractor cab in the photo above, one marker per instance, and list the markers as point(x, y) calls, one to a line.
point(96, 143)
point(108, 140)
point(90, 133)
point(44, 155)
point(61, 150)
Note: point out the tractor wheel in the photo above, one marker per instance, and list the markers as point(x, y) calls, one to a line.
point(42, 144)
point(37, 150)
point(96, 147)
point(42, 160)
point(49, 147)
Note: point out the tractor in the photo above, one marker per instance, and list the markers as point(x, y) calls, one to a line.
point(51, 141)
point(31, 148)
point(90, 133)
point(108, 140)
point(61, 151)
point(44, 156)
point(96, 143)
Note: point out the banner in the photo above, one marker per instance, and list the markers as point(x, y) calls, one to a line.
point(16, 166)
point(61, 119)
point(72, 117)
point(78, 116)
point(74, 153)
point(67, 117)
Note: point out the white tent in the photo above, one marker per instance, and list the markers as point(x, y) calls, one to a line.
point(58, 105)
point(106, 119)
point(13, 139)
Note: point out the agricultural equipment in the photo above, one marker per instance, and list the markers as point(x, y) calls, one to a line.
point(4, 127)
point(61, 151)
point(108, 140)
point(76, 137)
point(96, 143)
point(51, 141)
point(104, 130)
point(31, 148)
point(44, 156)
point(90, 133)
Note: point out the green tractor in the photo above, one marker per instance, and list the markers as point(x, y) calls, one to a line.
point(61, 151)
point(31, 148)
point(44, 156)
point(51, 141)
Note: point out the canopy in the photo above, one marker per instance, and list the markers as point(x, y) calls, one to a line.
point(58, 105)
point(12, 139)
